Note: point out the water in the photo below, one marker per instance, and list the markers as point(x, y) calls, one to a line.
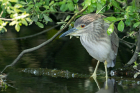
point(62, 66)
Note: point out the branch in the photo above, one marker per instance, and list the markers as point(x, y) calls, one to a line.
point(6, 19)
point(46, 42)
point(130, 45)
point(1, 13)
point(135, 55)
point(25, 37)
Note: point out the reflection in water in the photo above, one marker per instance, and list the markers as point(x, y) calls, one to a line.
point(108, 88)
point(58, 81)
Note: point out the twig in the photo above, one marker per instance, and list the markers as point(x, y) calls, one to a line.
point(5, 19)
point(130, 45)
point(25, 37)
point(1, 13)
point(102, 9)
point(46, 42)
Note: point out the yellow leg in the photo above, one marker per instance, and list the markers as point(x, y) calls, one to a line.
point(106, 85)
point(94, 74)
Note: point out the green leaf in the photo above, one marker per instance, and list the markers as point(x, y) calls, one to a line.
point(17, 27)
point(35, 18)
point(13, 0)
point(99, 8)
point(22, 2)
point(111, 19)
point(75, 1)
point(1, 21)
point(93, 1)
point(136, 63)
point(135, 67)
point(118, 19)
point(4, 23)
point(45, 6)
point(47, 18)
point(130, 9)
point(40, 24)
point(121, 26)
point(114, 3)
point(47, 2)
point(18, 6)
point(134, 7)
point(136, 24)
point(28, 19)
point(108, 6)
point(102, 2)
point(128, 22)
point(24, 22)
point(67, 18)
point(126, 16)
point(13, 23)
point(35, 1)
point(63, 7)
point(71, 6)
point(110, 29)
point(62, 26)
point(52, 2)
point(61, 22)
point(91, 8)
point(87, 3)
point(107, 21)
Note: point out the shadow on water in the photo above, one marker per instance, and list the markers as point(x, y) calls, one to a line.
point(62, 66)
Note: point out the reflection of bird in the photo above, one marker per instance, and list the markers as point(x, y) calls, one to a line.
point(92, 30)
point(110, 85)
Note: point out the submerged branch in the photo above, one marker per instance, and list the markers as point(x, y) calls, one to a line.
point(46, 42)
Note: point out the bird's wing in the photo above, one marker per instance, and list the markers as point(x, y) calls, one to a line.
point(115, 41)
point(114, 38)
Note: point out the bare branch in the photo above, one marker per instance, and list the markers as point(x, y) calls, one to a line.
point(135, 55)
point(25, 37)
point(5, 19)
point(46, 42)
point(130, 45)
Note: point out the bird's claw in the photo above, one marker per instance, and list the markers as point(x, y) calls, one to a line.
point(93, 76)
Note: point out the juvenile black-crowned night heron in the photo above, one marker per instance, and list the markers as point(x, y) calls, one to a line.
point(92, 30)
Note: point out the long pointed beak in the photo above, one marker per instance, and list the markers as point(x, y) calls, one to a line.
point(69, 32)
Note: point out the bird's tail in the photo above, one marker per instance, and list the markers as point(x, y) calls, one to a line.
point(111, 64)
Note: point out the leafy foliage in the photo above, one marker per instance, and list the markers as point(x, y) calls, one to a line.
point(25, 12)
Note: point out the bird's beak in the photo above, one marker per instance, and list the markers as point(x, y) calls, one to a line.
point(69, 32)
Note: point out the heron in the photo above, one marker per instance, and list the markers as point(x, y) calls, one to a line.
point(92, 31)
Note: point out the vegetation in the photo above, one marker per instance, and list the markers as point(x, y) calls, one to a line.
point(122, 13)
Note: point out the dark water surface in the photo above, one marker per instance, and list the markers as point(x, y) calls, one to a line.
point(62, 66)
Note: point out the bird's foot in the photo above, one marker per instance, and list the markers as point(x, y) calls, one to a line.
point(93, 76)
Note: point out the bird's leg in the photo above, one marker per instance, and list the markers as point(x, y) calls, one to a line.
point(94, 74)
point(105, 64)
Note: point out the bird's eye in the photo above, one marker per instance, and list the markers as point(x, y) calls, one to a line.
point(82, 26)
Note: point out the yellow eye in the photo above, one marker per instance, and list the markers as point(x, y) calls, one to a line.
point(82, 26)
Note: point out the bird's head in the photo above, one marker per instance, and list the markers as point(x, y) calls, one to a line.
point(82, 25)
